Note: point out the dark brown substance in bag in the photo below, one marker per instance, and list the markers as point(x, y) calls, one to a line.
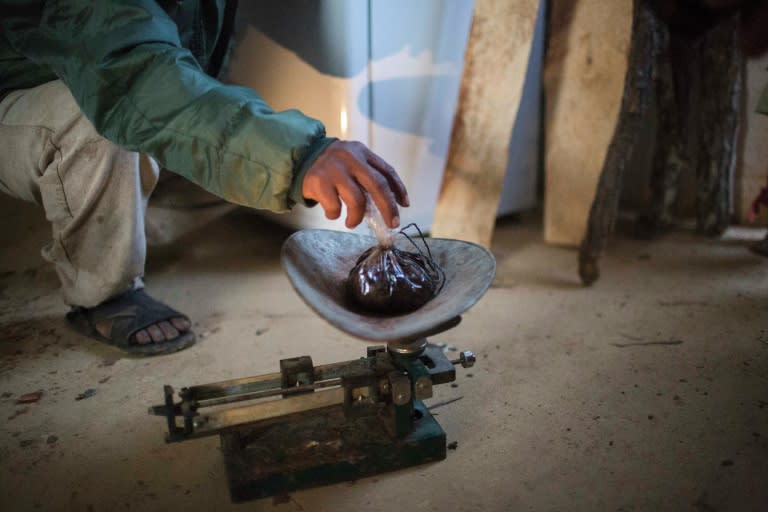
point(388, 280)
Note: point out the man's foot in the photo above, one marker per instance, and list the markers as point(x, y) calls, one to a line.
point(166, 330)
point(136, 323)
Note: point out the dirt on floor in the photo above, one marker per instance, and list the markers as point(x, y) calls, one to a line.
point(645, 392)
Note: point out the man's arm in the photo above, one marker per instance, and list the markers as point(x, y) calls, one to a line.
point(346, 171)
point(125, 66)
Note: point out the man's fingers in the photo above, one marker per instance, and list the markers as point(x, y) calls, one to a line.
point(381, 194)
point(346, 171)
point(325, 194)
point(389, 173)
point(352, 195)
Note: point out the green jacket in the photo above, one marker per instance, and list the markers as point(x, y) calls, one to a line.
point(138, 70)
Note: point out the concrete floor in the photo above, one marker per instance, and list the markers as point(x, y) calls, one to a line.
point(574, 404)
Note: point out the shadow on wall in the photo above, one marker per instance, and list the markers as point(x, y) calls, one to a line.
point(320, 45)
point(281, 21)
point(397, 63)
point(416, 118)
point(523, 178)
point(413, 58)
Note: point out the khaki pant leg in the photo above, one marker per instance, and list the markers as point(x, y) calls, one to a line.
point(94, 193)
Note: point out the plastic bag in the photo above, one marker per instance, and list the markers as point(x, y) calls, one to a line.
point(388, 280)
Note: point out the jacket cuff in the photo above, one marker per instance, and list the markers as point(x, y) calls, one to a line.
point(294, 195)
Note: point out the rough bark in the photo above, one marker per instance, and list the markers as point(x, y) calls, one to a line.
point(722, 74)
point(699, 87)
point(671, 156)
point(636, 101)
point(698, 83)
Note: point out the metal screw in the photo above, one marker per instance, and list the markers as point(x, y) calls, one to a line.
point(466, 359)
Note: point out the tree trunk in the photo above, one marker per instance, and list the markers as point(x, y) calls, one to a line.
point(719, 116)
point(698, 83)
point(699, 112)
point(636, 101)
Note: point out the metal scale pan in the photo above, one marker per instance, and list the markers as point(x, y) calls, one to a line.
point(318, 261)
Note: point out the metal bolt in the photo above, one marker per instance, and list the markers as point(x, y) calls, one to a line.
point(466, 359)
point(423, 388)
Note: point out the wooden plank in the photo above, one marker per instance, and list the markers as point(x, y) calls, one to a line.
point(494, 71)
point(585, 67)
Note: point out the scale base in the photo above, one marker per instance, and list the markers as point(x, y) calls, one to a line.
point(323, 449)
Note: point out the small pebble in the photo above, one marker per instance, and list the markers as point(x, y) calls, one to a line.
point(88, 393)
point(30, 398)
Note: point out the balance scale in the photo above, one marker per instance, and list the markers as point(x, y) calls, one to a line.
point(308, 425)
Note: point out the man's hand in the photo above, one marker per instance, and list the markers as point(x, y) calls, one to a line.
point(344, 172)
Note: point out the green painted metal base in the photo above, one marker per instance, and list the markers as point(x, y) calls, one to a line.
point(324, 448)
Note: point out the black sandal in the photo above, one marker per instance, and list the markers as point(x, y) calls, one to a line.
point(130, 313)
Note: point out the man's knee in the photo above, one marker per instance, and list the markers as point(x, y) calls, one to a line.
point(84, 160)
point(50, 106)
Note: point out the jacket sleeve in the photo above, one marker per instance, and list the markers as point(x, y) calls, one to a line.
point(123, 62)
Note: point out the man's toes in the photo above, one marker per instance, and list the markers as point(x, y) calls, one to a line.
point(142, 337)
point(169, 331)
point(104, 328)
point(181, 323)
point(156, 333)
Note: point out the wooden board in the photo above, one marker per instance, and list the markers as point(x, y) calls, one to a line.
point(494, 71)
point(584, 74)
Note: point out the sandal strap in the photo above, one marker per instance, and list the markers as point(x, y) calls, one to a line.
point(129, 313)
